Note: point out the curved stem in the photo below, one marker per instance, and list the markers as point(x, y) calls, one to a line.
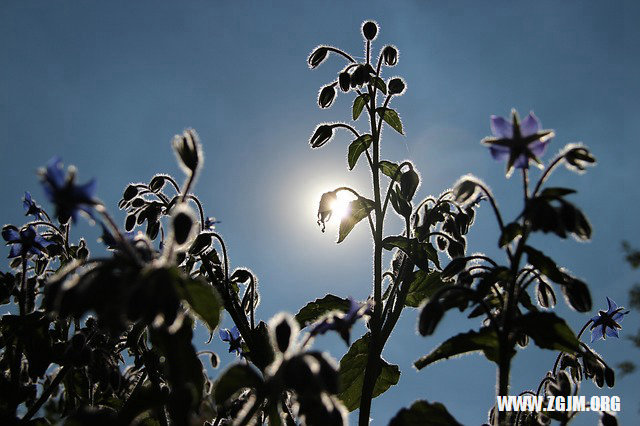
point(200, 209)
point(546, 173)
point(348, 127)
point(582, 330)
point(339, 52)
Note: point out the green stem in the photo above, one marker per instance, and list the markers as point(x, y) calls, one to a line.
point(45, 395)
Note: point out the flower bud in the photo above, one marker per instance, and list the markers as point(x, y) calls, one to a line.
point(283, 329)
point(187, 149)
point(326, 96)
point(409, 182)
point(369, 30)
point(390, 56)
point(322, 135)
point(579, 158)
point(396, 86)
point(430, 316)
point(344, 81)
point(130, 192)
point(318, 56)
point(182, 224)
point(325, 208)
point(156, 183)
point(200, 244)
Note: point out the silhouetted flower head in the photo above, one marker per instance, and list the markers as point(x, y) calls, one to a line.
point(325, 208)
point(30, 206)
point(234, 339)
point(606, 323)
point(210, 223)
point(517, 142)
point(24, 242)
point(342, 322)
point(63, 192)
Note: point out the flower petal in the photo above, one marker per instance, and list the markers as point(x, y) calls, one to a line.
point(225, 335)
point(499, 153)
point(235, 333)
point(538, 147)
point(596, 334)
point(10, 234)
point(611, 306)
point(16, 250)
point(529, 125)
point(522, 162)
point(55, 172)
point(618, 317)
point(501, 128)
point(611, 332)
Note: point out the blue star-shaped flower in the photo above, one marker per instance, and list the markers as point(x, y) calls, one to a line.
point(30, 206)
point(24, 242)
point(233, 338)
point(606, 323)
point(518, 143)
point(62, 191)
point(342, 322)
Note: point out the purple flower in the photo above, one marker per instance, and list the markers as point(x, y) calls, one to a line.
point(517, 142)
point(235, 340)
point(30, 206)
point(24, 242)
point(342, 322)
point(62, 191)
point(606, 323)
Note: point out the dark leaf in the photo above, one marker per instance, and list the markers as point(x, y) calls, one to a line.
point(390, 169)
point(485, 340)
point(577, 294)
point(554, 193)
point(424, 413)
point(356, 149)
point(234, 379)
point(511, 231)
point(420, 253)
point(544, 264)
point(380, 84)
point(392, 118)
point(203, 299)
point(545, 295)
point(358, 210)
point(352, 367)
point(549, 331)
point(319, 307)
point(358, 104)
point(422, 287)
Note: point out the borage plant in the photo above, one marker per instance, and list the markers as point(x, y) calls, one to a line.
point(414, 273)
point(144, 297)
point(499, 293)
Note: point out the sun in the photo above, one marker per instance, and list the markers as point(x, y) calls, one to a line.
point(340, 207)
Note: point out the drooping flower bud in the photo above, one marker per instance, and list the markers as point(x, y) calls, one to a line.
point(396, 86)
point(321, 136)
point(326, 96)
point(156, 183)
point(409, 182)
point(390, 56)
point(187, 149)
point(369, 30)
point(182, 224)
point(317, 56)
point(130, 192)
point(325, 208)
point(344, 81)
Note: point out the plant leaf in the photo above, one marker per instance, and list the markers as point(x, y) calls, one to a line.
point(380, 84)
point(424, 412)
point(485, 340)
point(203, 299)
point(549, 331)
point(556, 192)
point(352, 366)
point(358, 210)
point(390, 169)
point(356, 149)
point(312, 311)
point(544, 264)
point(422, 287)
point(392, 118)
point(233, 379)
point(511, 231)
point(358, 104)
point(419, 252)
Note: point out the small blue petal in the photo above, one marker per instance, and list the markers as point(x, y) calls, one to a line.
point(55, 172)
point(501, 128)
point(529, 125)
point(11, 234)
point(225, 335)
point(499, 153)
point(611, 332)
point(538, 147)
point(618, 317)
point(612, 306)
point(235, 333)
point(596, 334)
point(522, 162)
point(16, 250)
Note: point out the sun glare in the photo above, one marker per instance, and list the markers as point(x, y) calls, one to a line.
point(340, 207)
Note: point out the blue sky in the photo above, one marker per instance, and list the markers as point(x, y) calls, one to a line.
point(106, 87)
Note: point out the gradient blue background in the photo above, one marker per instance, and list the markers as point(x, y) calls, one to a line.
point(106, 85)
